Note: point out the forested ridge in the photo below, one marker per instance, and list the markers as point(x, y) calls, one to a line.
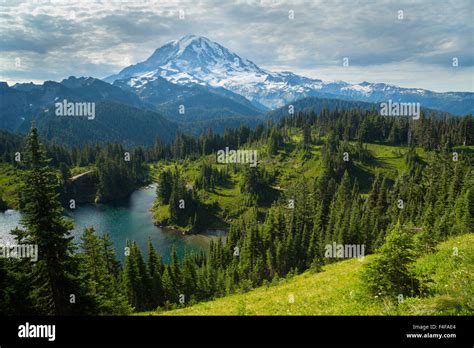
point(285, 219)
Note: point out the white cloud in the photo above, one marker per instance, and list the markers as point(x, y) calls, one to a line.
point(94, 38)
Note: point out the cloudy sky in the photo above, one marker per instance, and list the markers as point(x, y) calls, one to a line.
point(53, 39)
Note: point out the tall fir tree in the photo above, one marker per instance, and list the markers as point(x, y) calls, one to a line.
point(102, 284)
point(55, 274)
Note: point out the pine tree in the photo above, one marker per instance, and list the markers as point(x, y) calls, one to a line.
point(155, 267)
point(54, 275)
point(306, 136)
point(464, 207)
point(175, 269)
point(103, 286)
point(15, 283)
point(131, 278)
point(163, 188)
point(169, 290)
point(189, 277)
point(145, 280)
point(113, 266)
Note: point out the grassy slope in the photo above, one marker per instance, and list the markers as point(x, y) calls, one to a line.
point(338, 290)
point(289, 164)
point(9, 182)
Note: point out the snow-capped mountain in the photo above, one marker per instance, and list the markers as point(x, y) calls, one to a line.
point(195, 60)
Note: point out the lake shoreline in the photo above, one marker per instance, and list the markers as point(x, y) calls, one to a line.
point(126, 220)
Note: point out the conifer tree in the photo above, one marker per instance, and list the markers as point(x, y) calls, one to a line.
point(113, 266)
point(102, 285)
point(175, 272)
point(169, 290)
point(55, 273)
point(155, 267)
point(131, 278)
point(389, 274)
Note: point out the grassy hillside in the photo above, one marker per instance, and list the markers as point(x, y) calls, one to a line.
point(9, 182)
point(226, 202)
point(337, 290)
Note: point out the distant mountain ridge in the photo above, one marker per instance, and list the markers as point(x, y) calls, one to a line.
point(195, 60)
point(131, 119)
point(121, 116)
point(198, 102)
point(316, 105)
point(192, 85)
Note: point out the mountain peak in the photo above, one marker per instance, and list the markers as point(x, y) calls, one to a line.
point(193, 46)
point(190, 56)
point(192, 51)
point(196, 60)
point(190, 39)
point(183, 43)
